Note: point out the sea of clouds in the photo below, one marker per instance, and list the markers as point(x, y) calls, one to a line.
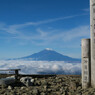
point(42, 67)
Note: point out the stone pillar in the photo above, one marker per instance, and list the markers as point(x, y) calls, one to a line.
point(86, 64)
point(92, 31)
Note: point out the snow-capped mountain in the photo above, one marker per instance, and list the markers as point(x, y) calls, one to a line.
point(46, 61)
point(50, 55)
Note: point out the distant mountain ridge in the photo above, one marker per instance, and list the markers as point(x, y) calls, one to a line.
point(50, 55)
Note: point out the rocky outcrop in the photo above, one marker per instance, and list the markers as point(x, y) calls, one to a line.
point(56, 85)
point(27, 81)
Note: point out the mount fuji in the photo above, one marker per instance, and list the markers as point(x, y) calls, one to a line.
point(50, 55)
point(46, 61)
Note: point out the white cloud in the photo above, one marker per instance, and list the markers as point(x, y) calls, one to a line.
point(42, 33)
point(81, 31)
point(39, 67)
point(86, 9)
point(45, 37)
point(14, 29)
point(65, 35)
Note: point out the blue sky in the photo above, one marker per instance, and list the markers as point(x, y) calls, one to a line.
point(29, 26)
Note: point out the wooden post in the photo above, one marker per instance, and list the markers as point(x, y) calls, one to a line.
point(16, 74)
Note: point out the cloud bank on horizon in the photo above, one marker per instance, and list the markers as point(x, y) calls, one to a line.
point(42, 67)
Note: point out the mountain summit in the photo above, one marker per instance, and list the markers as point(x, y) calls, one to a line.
point(50, 55)
point(49, 49)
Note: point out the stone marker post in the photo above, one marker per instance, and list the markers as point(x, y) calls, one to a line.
point(92, 31)
point(86, 64)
